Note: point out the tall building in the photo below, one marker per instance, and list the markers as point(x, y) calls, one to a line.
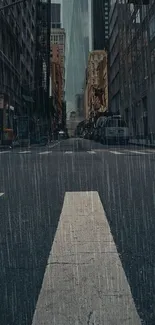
point(79, 104)
point(57, 83)
point(137, 66)
point(57, 39)
point(42, 58)
point(55, 15)
point(96, 83)
point(77, 24)
point(58, 36)
point(114, 56)
point(100, 24)
point(17, 49)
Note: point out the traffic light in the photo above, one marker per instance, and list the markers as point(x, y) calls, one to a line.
point(139, 2)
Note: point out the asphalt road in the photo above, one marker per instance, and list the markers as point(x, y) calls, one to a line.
point(33, 183)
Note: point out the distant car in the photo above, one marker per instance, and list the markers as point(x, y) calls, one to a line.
point(62, 134)
point(115, 129)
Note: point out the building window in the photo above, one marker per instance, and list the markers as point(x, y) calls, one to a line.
point(61, 38)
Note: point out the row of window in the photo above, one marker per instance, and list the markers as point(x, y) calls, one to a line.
point(57, 38)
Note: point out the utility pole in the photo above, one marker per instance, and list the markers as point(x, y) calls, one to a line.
point(12, 4)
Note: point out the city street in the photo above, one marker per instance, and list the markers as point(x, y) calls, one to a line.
point(77, 225)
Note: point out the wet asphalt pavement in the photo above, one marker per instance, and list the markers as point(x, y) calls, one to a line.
point(33, 183)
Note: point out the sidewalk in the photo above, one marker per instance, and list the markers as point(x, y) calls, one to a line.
point(142, 142)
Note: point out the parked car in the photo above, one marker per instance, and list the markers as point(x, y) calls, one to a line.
point(95, 134)
point(98, 128)
point(63, 134)
point(115, 129)
point(85, 134)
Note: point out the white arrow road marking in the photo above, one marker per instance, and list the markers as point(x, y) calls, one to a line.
point(1, 194)
point(116, 152)
point(84, 280)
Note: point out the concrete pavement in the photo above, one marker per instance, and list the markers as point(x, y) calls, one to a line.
point(34, 187)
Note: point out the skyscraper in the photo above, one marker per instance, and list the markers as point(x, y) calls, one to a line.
point(55, 15)
point(42, 57)
point(17, 32)
point(77, 24)
point(58, 37)
point(100, 23)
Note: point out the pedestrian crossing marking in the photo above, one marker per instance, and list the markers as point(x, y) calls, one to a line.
point(84, 272)
point(92, 152)
point(45, 152)
point(150, 151)
point(137, 152)
point(28, 151)
point(116, 152)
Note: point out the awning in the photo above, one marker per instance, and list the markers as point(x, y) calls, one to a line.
point(28, 99)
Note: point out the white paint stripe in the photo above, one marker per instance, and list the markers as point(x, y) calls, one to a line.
point(84, 281)
point(91, 152)
point(45, 153)
point(137, 152)
point(150, 151)
point(4, 152)
point(116, 152)
point(1, 194)
point(68, 152)
point(25, 151)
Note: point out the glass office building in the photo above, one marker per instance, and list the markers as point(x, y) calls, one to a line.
point(77, 23)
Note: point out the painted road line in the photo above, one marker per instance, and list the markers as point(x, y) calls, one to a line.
point(1, 194)
point(150, 151)
point(68, 152)
point(84, 281)
point(45, 153)
point(117, 152)
point(4, 152)
point(92, 152)
point(28, 151)
point(137, 152)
